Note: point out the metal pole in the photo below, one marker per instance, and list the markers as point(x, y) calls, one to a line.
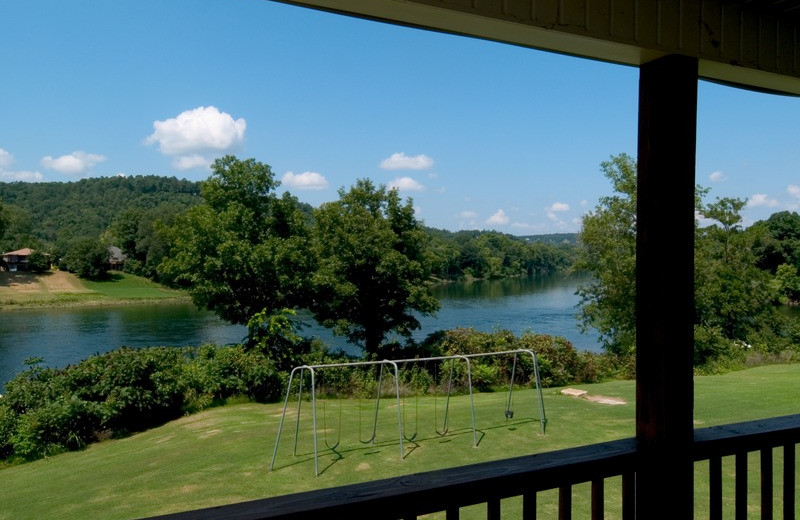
point(509, 411)
point(542, 417)
point(377, 404)
point(471, 403)
point(447, 401)
point(399, 418)
point(314, 415)
point(297, 417)
point(283, 415)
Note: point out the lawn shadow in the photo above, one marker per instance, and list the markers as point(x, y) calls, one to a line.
point(110, 277)
point(410, 446)
point(8, 278)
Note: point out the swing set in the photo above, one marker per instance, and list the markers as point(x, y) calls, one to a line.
point(313, 370)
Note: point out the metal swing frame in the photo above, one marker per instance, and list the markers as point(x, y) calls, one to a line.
point(393, 363)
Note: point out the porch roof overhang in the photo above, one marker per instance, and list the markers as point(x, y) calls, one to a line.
point(753, 44)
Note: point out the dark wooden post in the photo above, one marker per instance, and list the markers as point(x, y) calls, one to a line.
point(665, 287)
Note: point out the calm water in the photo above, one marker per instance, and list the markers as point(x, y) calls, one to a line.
point(65, 336)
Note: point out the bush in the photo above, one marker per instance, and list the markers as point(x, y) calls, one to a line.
point(57, 426)
point(47, 411)
point(8, 425)
point(559, 363)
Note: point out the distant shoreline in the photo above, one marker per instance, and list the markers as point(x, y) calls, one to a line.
point(6, 305)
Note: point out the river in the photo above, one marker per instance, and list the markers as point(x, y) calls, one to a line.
point(66, 335)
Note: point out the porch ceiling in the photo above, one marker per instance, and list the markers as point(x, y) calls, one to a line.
point(750, 43)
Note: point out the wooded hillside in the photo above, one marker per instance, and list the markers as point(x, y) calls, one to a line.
point(40, 214)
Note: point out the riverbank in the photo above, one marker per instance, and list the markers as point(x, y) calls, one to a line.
point(23, 290)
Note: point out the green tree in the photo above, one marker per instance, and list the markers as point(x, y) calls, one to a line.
point(789, 280)
point(38, 262)
point(3, 221)
point(137, 232)
point(777, 240)
point(373, 268)
point(730, 291)
point(87, 258)
point(732, 295)
point(608, 252)
point(244, 249)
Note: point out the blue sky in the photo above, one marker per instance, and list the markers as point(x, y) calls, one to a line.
point(480, 135)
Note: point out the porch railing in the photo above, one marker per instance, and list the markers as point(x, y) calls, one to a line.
point(488, 483)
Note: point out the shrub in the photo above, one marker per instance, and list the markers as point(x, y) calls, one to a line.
point(8, 425)
point(47, 411)
point(136, 388)
point(57, 426)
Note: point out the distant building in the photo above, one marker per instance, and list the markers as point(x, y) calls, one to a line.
point(17, 260)
point(116, 258)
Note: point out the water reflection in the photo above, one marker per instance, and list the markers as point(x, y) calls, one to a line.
point(67, 335)
point(64, 336)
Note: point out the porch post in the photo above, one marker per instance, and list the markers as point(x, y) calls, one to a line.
point(665, 287)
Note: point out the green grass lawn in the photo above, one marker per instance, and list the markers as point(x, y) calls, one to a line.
point(123, 286)
point(222, 455)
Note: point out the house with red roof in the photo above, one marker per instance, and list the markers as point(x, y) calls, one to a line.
point(17, 260)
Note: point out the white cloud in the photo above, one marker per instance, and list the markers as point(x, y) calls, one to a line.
point(717, 176)
point(793, 190)
point(559, 206)
point(584, 203)
point(305, 181)
point(76, 163)
point(197, 135)
point(406, 184)
point(191, 162)
point(468, 214)
point(401, 161)
point(500, 218)
point(6, 159)
point(7, 175)
point(24, 176)
point(761, 200)
point(201, 129)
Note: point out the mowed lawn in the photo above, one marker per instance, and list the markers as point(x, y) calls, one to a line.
point(23, 289)
point(222, 455)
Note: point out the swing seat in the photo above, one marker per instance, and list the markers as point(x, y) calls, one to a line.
point(509, 414)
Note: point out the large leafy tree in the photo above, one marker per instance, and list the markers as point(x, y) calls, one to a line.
point(777, 240)
point(732, 295)
point(244, 249)
point(730, 291)
point(373, 270)
point(87, 258)
point(136, 231)
point(608, 252)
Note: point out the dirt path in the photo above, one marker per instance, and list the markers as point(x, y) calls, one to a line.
point(29, 284)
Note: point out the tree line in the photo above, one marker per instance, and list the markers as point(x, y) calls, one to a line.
point(742, 276)
point(361, 263)
point(87, 216)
